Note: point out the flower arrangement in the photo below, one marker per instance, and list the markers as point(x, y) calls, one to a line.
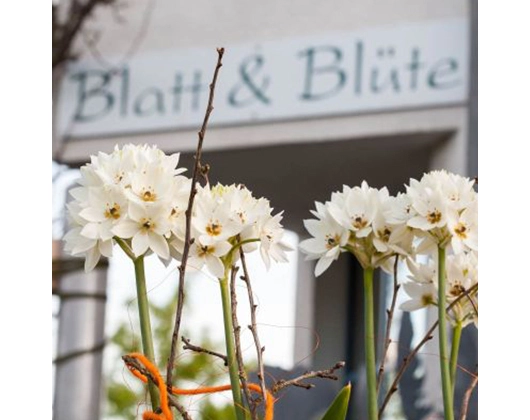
point(138, 199)
point(436, 215)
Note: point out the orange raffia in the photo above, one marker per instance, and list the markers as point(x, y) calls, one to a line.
point(164, 402)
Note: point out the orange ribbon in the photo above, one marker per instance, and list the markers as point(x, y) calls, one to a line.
point(164, 402)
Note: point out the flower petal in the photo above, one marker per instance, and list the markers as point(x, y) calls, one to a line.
point(322, 265)
point(158, 244)
point(126, 229)
point(140, 243)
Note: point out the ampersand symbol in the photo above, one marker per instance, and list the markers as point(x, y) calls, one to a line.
point(248, 70)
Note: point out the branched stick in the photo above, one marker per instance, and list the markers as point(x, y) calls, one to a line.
point(189, 211)
point(131, 361)
point(65, 33)
point(407, 359)
point(467, 397)
point(237, 339)
point(197, 349)
point(253, 327)
point(325, 374)
point(390, 314)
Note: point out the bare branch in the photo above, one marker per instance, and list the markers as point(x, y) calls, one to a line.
point(64, 33)
point(189, 210)
point(253, 327)
point(325, 374)
point(467, 397)
point(197, 349)
point(237, 339)
point(390, 313)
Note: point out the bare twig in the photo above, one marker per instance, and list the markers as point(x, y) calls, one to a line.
point(325, 374)
point(407, 359)
point(237, 339)
point(197, 349)
point(189, 210)
point(253, 327)
point(136, 365)
point(467, 397)
point(390, 314)
point(64, 33)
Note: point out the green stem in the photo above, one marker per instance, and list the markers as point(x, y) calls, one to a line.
point(230, 346)
point(442, 335)
point(145, 323)
point(240, 244)
point(369, 342)
point(457, 333)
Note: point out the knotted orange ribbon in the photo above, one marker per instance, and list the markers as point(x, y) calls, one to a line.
point(164, 402)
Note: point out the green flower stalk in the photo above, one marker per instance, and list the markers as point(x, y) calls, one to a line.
point(145, 323)
point(455, 346)
point(241, 412)
point(369, 342)
point(447, 387)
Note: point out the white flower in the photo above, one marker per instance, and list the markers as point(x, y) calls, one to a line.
point(177, 206)
point(105, 207)
point(438, 202)
point(461, 276)
point(423, 272)
point(430, 207)
point(464, 228)
point(209, 255)
point(356, 208)
point(457, 189)
point(213, 220)
point(329, 237)
point(421, 295)
point(150, 185)
point(114, 168)
point(271, 239)
point(148, 227)
point(78, 245)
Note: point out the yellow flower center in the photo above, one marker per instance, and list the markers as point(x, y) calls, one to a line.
point(214, 228)
point(434, 216)
point(205, 250)
point(359, 222)
point(332, 241)
point(113, 212)
point(456, 290)
point(148, 195)
point(146, 225)
point(461, 230)
point(384, 234)
point(426, 300)
point(118, 177)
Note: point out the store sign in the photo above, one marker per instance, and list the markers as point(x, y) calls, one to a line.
point(379, 69)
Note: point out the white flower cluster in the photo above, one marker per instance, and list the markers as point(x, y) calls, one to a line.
point(137, 195)
point(461, 275)
point(439, 210)
point(228, 217)
point(369, 223)
point(444, 213)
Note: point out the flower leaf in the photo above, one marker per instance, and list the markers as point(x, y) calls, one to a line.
point(339, 407)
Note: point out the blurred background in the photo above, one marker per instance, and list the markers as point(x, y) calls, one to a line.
point(311, 96)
